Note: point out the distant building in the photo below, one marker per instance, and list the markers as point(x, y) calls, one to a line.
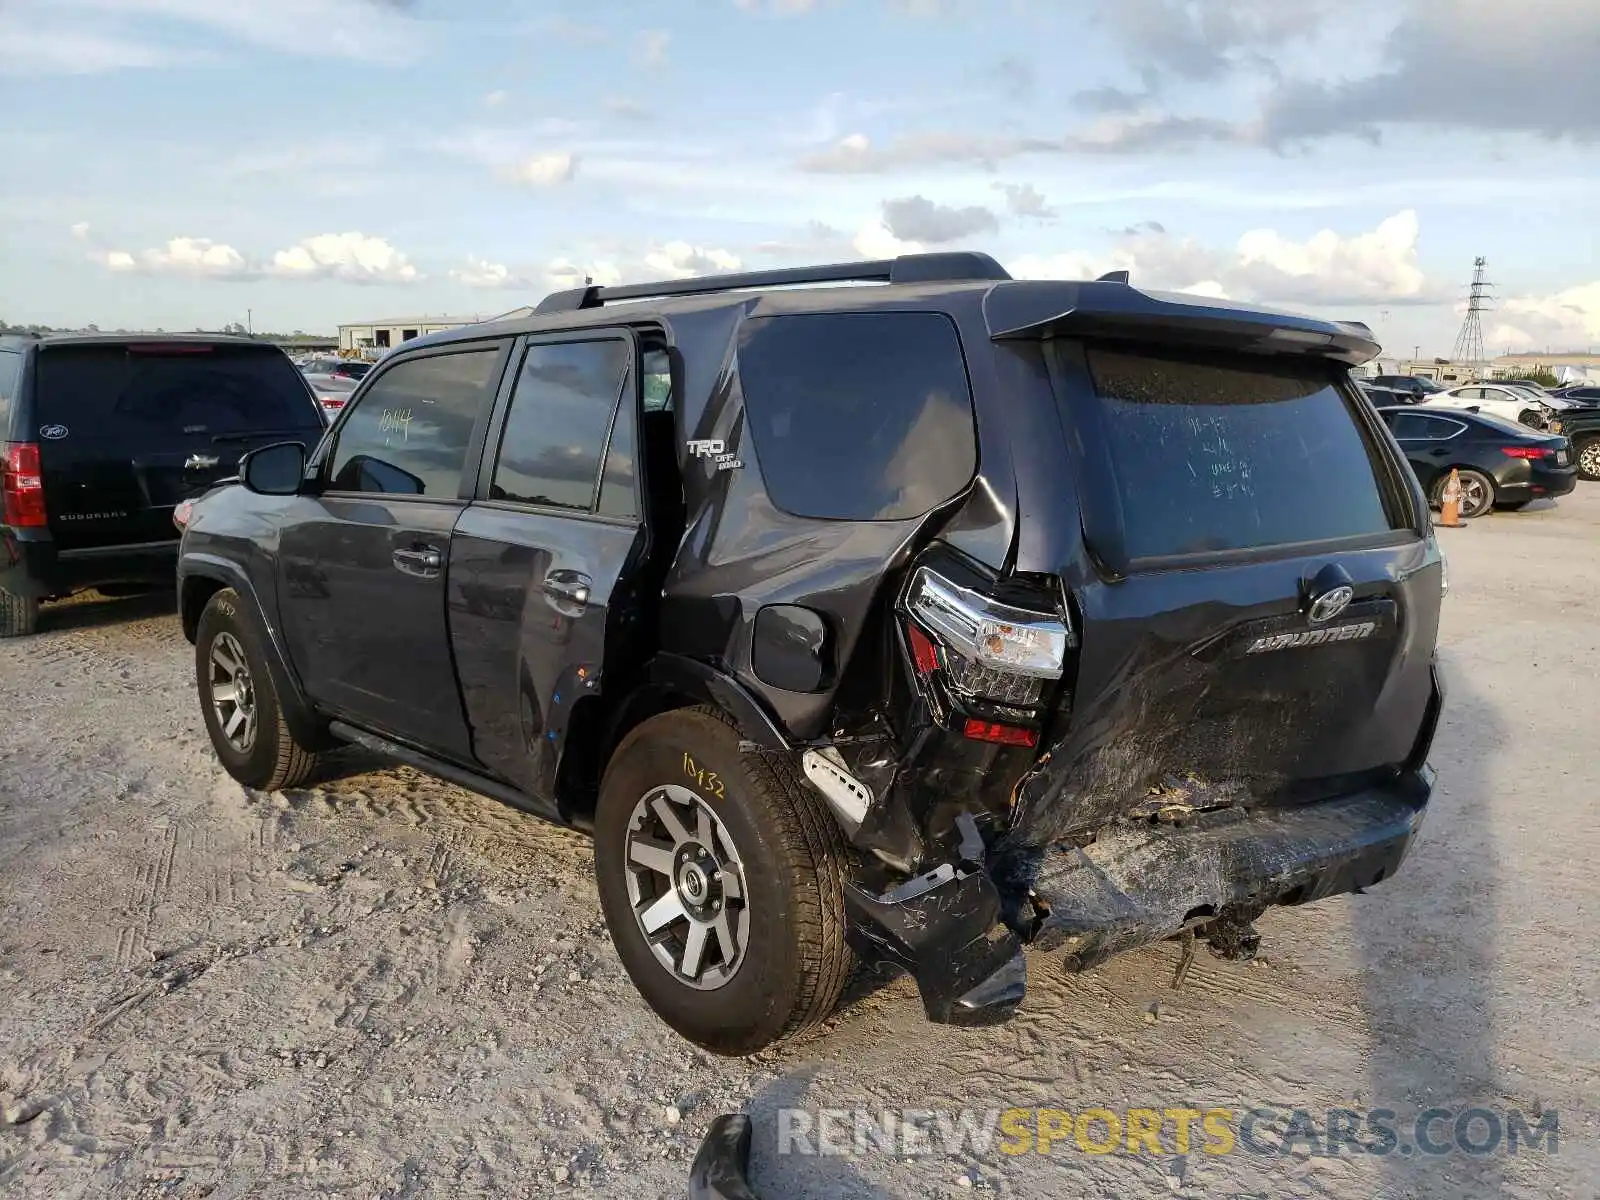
point(385, 333)
point(1565, 367)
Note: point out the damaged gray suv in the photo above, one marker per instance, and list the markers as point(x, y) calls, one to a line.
point(924, 620)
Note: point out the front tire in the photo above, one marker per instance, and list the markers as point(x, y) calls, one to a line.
point(240, 703)
point(1533, 419)
point(1587, 454)
point(722, 882)
point(19, 616)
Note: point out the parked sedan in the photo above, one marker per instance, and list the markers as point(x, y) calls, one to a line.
point(1584, 395)
point(1510, 402)
point(1501, 464)
point(333, 392)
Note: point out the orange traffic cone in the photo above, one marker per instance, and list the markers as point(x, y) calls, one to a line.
point(1450, 502)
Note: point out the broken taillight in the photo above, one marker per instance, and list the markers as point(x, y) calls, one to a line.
point(22, 486)
point(984, 651)
point(1003, 735)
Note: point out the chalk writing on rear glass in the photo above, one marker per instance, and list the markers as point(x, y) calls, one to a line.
point(1230, 477)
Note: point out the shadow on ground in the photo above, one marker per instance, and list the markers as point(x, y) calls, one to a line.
point(1427, 941)
point(90, 609)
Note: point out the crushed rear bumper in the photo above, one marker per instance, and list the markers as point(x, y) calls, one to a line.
point(959, 930)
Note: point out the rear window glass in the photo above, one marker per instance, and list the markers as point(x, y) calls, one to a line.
point(117, 391)
point(858, 416)
point(10, 370)
point(1232, 454)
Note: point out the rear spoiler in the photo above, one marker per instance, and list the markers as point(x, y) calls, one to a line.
point(1028, 310)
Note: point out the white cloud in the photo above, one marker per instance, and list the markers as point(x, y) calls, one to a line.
point(1375, 267)
point(365, 30)
point(874, 240)
point(1568, 320)
point(481, 273)
point(680, 260)
point(776, 8)
point(347, 257)
point(653, 45)
point(496, 98)
point(546, 170)
point(199, 258)
point(564, 273)
point(80, 231)
point(1380, 265)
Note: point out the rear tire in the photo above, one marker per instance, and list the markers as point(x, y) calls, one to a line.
point(240, 703)
point(777, 860)
point(19, 616)
point(1587, 454)
point(1477, 492)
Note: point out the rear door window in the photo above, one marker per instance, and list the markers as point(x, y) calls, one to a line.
point(858, 416)
point(114, 392)
point(410, 432)
point(1233, 452)
point(560, 425)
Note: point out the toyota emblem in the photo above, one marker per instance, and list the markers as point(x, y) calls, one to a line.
point(1330, 604)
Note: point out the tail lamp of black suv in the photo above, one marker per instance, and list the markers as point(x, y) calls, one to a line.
point(21, 486)
point(987, 668)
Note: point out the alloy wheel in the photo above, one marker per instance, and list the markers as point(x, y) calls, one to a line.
point(1476, 497)
point(1589, 459)
point(687, 887)
point(233, 692)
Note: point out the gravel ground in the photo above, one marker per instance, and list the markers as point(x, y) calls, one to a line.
point(386, 986)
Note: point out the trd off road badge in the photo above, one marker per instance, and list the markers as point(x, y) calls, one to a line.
point(716, 450)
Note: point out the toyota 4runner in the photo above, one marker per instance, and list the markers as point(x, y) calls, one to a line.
point(910, 622)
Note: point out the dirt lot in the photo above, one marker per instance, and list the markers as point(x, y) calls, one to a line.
point(385, 986)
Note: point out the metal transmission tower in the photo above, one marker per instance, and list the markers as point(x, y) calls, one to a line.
point(1469, 342)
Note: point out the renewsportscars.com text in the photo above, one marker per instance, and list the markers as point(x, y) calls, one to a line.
point(1278, 1131)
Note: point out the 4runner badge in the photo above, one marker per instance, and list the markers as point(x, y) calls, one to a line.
point(1357, 632)
point(716, 450)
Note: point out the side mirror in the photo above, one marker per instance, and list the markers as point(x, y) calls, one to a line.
point(275, 470)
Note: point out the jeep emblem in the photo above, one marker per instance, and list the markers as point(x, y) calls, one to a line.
point(1330, 604)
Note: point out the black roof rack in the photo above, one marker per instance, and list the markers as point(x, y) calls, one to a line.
point(952, 267)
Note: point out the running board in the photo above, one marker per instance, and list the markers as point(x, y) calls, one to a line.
point(449, 772)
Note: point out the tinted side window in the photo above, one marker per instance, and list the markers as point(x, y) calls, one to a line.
point(1416, 426)
point(408, 435)
point(858, 416)
point(561, 413)
point(10, 371)
point(1227, 453)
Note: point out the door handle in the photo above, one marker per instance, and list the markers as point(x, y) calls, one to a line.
point(567, 590)
point(422, 561)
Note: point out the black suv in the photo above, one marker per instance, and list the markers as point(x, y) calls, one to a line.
point(1416, 388)
point(911, 623)
point(103, 435)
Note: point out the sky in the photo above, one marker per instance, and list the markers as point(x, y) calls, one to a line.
point(185, 163)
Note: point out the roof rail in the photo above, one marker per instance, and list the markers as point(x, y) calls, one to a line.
point(951, 267)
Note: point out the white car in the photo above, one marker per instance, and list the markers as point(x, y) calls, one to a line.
point(1512, 402)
